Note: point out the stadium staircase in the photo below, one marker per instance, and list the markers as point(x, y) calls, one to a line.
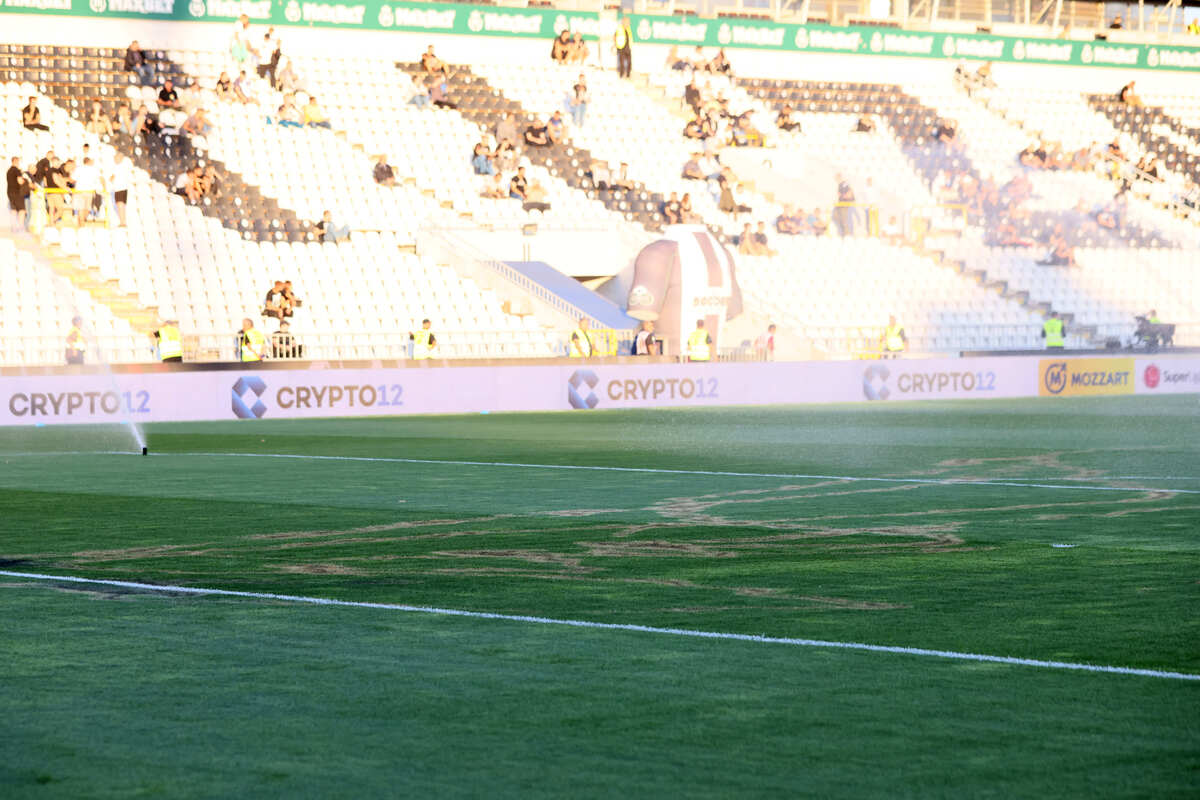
point(73, 77)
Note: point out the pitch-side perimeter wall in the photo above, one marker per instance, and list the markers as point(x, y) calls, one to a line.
point(277, 394)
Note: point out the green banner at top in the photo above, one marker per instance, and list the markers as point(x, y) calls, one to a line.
point(476, 20)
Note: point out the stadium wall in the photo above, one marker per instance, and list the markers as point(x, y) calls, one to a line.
point(291, 393)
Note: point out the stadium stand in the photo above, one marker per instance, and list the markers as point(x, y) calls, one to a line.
point(968, 263)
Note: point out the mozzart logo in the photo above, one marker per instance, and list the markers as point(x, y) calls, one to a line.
point(249, 389)
point(1086, 376)
point(581, 381)
point(875, 382)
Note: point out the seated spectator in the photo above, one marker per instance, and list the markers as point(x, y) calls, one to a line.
point(1128, 94)
point(719, 65)
point(746, 244)
point(1085, 158)
point(579, 50)
point(536, 134)
point(197, 124)
point(494, 189)
point(699, 61)
point(744, 134)
point(31, 117)
point(171, 120)
point(785, 122)
point(242, 92)
point(437, 92)
point(710, 166)
point(481, 161)
point(1061, 254)
point(506, 156)
point(210, 184)
point(687, 214)
point(818, 221)
point(555, 129)
point(431, 63)
point(761, 242)
point(865, 124)
point(622, 180)
point(561, 49)
point(674, 61)
point(535, 197)
point(125, 120)
point(671, 210)
point(189, 186)
point(382, 172)
point(224, 87)
point(946, 132)
point(330, 231)
point(728, 202)
point(98, 122)
point(168, 97)
point(286, 79)
point(1116, 23)
point(578, 103)
point(422, 95)
point(518, 186)
point(289, 295)
point(789, 223)
point(506, 130)
point(289, 116)
point(692, 170)
point(136, 61)
point(983, 76)
point(273, 305)
point(692, 96)
point(1005, 234)
point(145, 122)
point(314, 117)
point(1032, 156)
point(283, 343)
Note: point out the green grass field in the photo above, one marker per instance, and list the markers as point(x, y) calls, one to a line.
point(933, 525)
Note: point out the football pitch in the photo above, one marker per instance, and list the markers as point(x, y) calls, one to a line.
point(939, 599)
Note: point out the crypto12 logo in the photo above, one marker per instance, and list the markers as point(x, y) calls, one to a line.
point(252, 384)
point(581, 381)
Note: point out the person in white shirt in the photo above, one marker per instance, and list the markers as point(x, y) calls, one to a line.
point(268, 56)
point(87, 184)
point(120, 179)
point(241, 45)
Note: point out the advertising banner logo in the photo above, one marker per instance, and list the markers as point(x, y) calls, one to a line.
point(582, 380)
point(874, 382)
point(1085, 376)
point(1151, 376)
point(255, 385)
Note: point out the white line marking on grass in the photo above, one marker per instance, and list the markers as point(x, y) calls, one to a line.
point(615, 626)
point(713, 473)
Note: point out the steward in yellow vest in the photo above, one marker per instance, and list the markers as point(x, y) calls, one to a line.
point(251, 342)
point(581, 341)
point(75, 342)
point(170, 342)
point(1053, 331)
point(423, 341)
point(699, 344)
point(894, 339)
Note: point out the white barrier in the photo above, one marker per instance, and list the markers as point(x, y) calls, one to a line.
point(275, 393)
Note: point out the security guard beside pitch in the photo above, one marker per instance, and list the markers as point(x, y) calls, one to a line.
point(699, 343)
point(251, 342)
point(581, 341)
point(170, 342)
point(1053, 332)
point(423, 341)
point(75, 342)
point(895, 340)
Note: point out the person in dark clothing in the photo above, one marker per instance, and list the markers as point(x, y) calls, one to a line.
point(623, 44)
point(31, 117)
point(135, 61)
point(18, 190)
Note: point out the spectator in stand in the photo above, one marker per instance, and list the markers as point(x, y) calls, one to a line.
point(41, 170)
point(645, 344)
point(687, 214)
point(59, 204)
point(671, 210)
point(241, 45)
point(1194, 27)
point(744, 134)
point(286, 79)
point(120, 179)
point(31, 117)
point(692, 170)
point(197, 124)
point(18, 189)
point(268, 57)
point(789, 222)
point(622, 180)
point(210, 184)
point(746, 243)
point(580, 97)
point(283, 343)
point(145, 122)
point(579, 50)
point(1128, 94)
point(506, 130)
point(1061, 254)
point(535, 197)
point(865, 124)
point(761, 241)
point(692, 96)
point(555, 128)
point(124, 120)
point(167, 96)
point(242, 90)
point(88, 183)
point(844, 213)
point(329, 231)
point(437, 91)
point(518, 186)
point(785, 122)
point(728, 201)
point(136, 61)
point(623, 45)
point(273, 305)
point(536, 134)
point(699, 61)
point(561, 49)
point(481, 161)
point(289, 116)
point(314, 117)
point(431, 63)
point(494, 189)
point(818, 223)
point(224, 87)
point(382, 172)
point(293, 302)
point(946, 132)
point(719, 65)
point(1116, 23)
point(675, 61)
point(188, 186)
point(98, 122)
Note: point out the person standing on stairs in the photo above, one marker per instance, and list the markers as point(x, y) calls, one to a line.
point(623, 44)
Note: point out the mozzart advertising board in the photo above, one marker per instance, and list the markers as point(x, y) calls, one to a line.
point(538, 22)
point(278, 394)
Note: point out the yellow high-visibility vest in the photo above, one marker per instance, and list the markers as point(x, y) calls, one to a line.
point(170, 342)
point(892, 339)
point(1053, 329)
point(621, 38)
point(698, 346)
point(253, 342)
point(75, 340)
point(421, 344)
point(581, 344)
